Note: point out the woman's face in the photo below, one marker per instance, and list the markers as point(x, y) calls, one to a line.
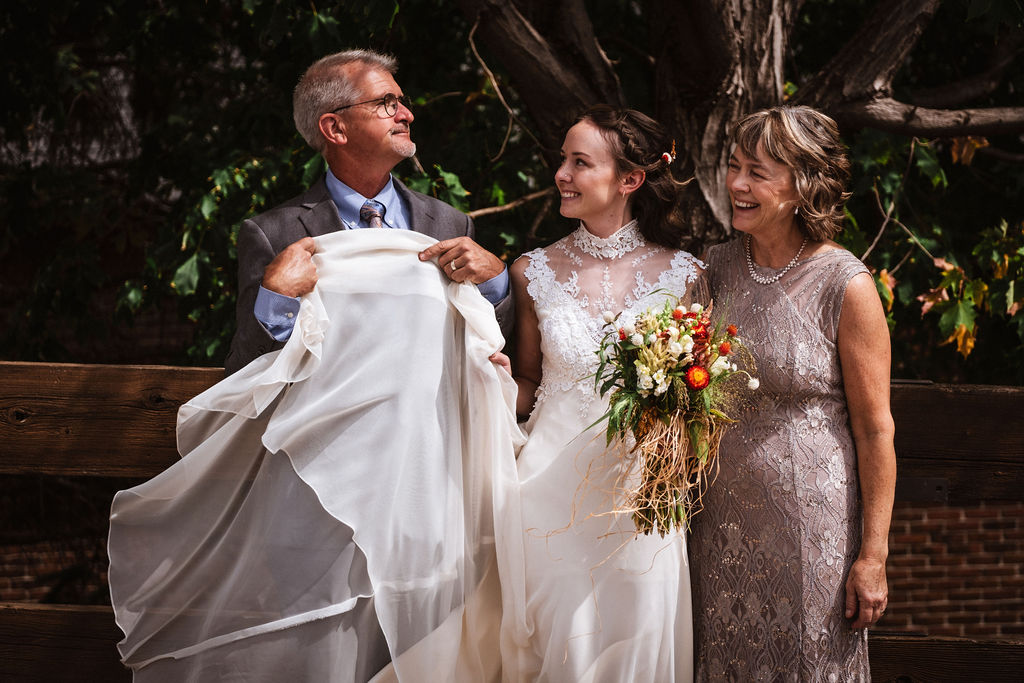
point(587, 178)
point(762, 192)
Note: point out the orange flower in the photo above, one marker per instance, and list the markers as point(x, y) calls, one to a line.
point(677, 313)
point(700, 331)
point(622, 334)
point(697, 377)
point(732, 330)
point(724, 348)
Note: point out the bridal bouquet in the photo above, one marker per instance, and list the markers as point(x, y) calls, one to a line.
point(671, 375)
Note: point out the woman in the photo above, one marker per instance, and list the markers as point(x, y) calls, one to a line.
point(788, 565)
point(586, 598)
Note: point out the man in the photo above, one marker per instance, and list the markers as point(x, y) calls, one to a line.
point(348, 107)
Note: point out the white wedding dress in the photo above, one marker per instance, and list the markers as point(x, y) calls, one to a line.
point(585, 599)
point(358, 467)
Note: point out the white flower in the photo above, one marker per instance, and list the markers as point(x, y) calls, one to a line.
point(636, 339)
point(673, 332)
point(734, 367)
point(628, 323)
point(659, 376)
point(645, 382)
point(696, 308)
point(753, 384)
point(651, 338)
point(661, 388)
point(608, 316)
point(719, 366)
point(686, 341)
point(675, 348)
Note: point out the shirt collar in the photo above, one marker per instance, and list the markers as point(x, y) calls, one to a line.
point(349, 201)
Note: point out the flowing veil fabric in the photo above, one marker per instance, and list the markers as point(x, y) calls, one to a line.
point(363, 460)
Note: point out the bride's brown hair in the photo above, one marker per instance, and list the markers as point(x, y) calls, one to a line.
point(639, 143)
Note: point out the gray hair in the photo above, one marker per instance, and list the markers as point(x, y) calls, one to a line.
point(806, 141)
point(325, 87)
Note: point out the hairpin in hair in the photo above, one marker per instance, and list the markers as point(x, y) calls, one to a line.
point(669, 157)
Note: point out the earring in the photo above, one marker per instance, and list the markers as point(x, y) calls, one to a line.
point(796, 210)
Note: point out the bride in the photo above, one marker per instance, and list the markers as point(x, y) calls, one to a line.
point(586, 599)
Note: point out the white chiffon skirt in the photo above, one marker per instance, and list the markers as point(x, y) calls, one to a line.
point(334, 508)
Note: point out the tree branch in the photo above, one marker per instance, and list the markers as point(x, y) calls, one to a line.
point(487, 211)
point(556, 75)
point(897, 117)
point(865, 66)
point(954, 94)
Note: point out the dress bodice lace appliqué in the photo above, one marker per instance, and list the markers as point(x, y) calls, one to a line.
point(576, 280)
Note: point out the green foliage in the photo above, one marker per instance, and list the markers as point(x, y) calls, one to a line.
point(136, 138)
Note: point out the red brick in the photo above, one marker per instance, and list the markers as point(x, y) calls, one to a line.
point(907, 560)
point(953, 631)
point(944, 513)
point(909, 539)
point(981, 629)
point(931, 619)
point(964, 619)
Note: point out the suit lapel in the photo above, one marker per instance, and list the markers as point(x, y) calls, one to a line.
point(421, 214)
point(322, 216)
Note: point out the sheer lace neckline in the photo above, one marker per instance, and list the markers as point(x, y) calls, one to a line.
point(618, 244)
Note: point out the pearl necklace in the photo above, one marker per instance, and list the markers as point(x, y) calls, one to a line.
point(618, 244)
point(775, 278)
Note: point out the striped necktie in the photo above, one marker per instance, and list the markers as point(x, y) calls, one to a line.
point(372, 214)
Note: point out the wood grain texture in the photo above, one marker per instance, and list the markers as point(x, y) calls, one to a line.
point(59, 643)
point(962, 444)
point(93, 420)
point(915, 659)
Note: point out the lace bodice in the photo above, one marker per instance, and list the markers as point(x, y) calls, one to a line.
point(576, 280)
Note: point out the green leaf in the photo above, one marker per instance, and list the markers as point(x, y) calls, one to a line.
point(207, 206)
point(960, 313)
point(927, 163)
point(186, 277)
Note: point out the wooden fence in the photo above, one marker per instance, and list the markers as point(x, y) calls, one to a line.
point(955, 444)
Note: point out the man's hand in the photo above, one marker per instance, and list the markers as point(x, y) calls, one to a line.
point(502, 361)
point(292, 272)
point(866, 592)
point(464, 260)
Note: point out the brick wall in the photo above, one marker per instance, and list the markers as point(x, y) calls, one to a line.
point(957, 571)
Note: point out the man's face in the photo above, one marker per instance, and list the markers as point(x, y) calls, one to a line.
point(371, 133)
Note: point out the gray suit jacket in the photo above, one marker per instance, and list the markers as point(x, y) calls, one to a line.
point(313, 213)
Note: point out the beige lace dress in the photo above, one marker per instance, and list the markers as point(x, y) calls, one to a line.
point(780, 528)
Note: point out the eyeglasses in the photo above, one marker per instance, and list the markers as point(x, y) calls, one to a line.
point(389, 102)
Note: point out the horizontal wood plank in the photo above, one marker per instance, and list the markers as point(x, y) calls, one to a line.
point(956, 443)
point(93, 420)
point(47, 643)
point(916, 659)
point(959, 444)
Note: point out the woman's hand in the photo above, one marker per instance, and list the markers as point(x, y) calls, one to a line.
point(867, 593)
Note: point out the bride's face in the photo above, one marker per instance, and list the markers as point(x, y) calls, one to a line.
point(587, 179)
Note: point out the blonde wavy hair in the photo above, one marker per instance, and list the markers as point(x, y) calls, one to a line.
point(806, 141)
